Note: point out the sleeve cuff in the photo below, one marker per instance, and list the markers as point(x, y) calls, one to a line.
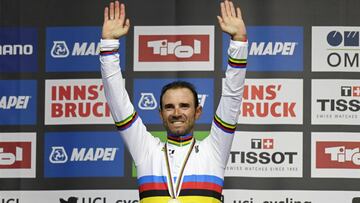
point(109, 44)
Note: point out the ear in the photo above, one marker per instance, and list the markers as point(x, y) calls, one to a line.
point(160, 113)
point(198, 112)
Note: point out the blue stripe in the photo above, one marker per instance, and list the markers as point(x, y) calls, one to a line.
point(191, 178)
point(151, 179)
point(122, 128)
point(204, 178)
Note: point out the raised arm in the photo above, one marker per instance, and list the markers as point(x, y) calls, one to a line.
point(129, 125)
point(227, 113)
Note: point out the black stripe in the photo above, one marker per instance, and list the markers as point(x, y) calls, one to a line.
point(187, 192)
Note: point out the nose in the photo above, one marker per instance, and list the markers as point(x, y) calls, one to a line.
point(177, 111)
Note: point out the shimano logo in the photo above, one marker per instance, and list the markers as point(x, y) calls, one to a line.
point(273, 48)
point(16, 49)
point(14, 102)
point(61, 50)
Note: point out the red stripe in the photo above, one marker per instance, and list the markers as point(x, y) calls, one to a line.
point(202, 186)
point(153, 186)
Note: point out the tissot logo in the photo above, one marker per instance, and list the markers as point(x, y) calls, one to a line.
point(341, 105)
point(265, 154)
point(335, 48)
point(173, 48)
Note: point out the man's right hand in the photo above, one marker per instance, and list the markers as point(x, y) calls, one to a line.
point(115, 23)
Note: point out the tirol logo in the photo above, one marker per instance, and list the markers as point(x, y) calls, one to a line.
point(335, 49)
point(17, 155)
point(18, 102)
point(68, 154)
point(18, 50)
point(76, 102)
point(147, 93)
point(71, 49)
point(272, 101)
point(272, 48)
point(177, 48)
point(338, 155)
point(335, 154)
point(174, 48)
point(339, 106)
point(265, 155)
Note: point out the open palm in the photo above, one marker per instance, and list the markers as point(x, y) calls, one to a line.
point(115, 23)
point(231, 21)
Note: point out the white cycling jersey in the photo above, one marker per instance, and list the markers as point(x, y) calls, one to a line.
point(204, 173)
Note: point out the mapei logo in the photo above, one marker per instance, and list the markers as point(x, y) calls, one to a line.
point(58, 154)
point(18, 102)
point(148, 102)
point(83, 154)
point(14, 102)
point(272, 48)
point(176, 48)
point(70, 49)
point(61, 50)
point(147, 94)
point(338, 154)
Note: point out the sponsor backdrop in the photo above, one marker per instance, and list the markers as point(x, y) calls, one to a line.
point(298, 135)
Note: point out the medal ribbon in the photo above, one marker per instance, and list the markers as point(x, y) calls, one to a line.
point(175, 191)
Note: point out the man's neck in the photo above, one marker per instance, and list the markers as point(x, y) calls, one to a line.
point(179, 140)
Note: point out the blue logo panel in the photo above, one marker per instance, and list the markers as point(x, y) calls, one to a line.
point(18, 102)
point(18, 50)
point(272, 48)
point(84, 154)
point(147, 93)
point(76, 49)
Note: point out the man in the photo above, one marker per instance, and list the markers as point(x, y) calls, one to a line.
point(182, 169)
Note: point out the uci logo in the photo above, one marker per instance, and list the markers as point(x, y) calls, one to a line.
point(59, 49)
point(147, 101)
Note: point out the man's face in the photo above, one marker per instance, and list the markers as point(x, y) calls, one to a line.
point(178, 111)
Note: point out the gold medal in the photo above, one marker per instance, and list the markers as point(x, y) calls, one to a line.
point(173, 201)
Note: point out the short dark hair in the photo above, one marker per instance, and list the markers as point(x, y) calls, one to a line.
point(180, 84)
